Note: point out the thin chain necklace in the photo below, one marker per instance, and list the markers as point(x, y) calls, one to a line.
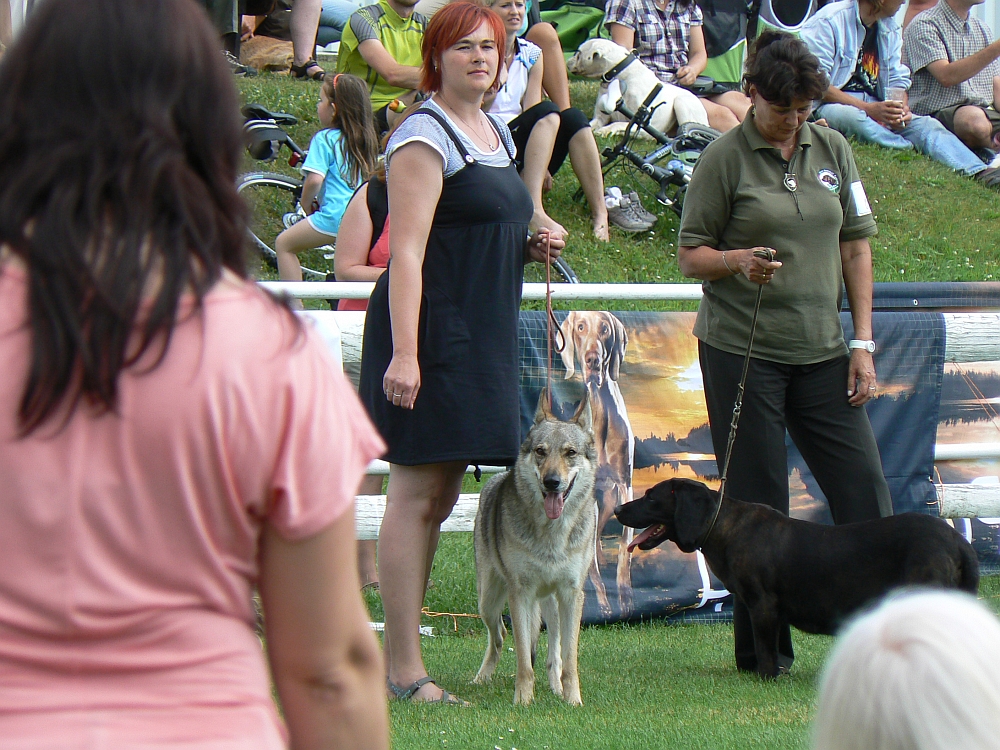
point(478, 131)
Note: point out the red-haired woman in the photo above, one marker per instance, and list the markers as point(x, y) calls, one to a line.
point(443, 388)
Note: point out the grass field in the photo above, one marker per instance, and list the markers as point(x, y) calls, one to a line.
point(645, 686)
point(656, 685)
point(934, 225)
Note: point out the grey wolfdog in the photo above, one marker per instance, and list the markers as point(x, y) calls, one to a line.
point(534, 542)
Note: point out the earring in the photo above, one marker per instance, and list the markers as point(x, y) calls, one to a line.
point(753, 110)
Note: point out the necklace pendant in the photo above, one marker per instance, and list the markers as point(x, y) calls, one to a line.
point(791, 184)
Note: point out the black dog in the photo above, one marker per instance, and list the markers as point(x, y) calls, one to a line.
point(812, 575)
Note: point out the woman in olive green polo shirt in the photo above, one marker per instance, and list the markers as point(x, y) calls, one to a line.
point(782, 183)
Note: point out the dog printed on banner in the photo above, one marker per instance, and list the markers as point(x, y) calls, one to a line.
point(594, 349)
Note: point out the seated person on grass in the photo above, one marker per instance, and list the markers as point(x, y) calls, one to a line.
point(555, 79)
point(381, 45)
point(859, 46)
point(669, 40)
point(543, 135)
point(956, 75)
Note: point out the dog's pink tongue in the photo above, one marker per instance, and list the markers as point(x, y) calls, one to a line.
point(554, 502)
point(644, 535)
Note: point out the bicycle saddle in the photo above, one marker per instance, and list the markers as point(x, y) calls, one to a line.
point(263, 138)
point(705, 86)
point(260, 112)
point(694, 128)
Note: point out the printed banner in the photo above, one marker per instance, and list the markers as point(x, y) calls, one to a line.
point(641, 371)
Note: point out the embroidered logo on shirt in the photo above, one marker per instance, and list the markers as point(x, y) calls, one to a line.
point(830, 180)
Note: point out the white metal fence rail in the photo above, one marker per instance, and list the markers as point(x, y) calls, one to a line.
point(970, 337)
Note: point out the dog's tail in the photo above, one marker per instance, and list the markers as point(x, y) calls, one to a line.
point(969, 573)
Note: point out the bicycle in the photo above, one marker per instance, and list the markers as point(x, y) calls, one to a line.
point(680, 152)
point(274, 199)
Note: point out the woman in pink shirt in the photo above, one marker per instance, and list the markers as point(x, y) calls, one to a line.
point(170, 436)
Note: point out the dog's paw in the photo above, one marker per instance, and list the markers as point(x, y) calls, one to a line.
point(626, 600)
point(574, 698)
point(611, 130)
point(555, 680)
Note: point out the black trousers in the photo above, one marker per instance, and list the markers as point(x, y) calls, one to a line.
point(835, 439)
point(571, 122)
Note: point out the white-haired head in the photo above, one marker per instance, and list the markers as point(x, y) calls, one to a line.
point(919, 672)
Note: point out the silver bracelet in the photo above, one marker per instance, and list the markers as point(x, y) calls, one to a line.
point(726, 264)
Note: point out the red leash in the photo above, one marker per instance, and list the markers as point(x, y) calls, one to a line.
point(551, 324)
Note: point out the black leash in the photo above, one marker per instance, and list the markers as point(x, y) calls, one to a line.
point(767, 254)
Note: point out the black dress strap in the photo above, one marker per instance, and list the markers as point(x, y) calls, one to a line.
point(448, 130)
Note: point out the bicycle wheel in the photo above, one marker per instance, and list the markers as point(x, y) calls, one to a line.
point(273, 200)
point(562, 273)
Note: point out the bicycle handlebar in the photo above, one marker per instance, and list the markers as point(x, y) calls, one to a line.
point(634, 117)
point(652, 95)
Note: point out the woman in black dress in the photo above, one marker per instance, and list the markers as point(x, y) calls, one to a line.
point(443, 387)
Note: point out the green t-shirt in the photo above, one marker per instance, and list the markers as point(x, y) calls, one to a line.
point(401, 38)
point(738, 198)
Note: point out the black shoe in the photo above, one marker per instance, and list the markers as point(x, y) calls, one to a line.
point(990, 177)
point(309, 70)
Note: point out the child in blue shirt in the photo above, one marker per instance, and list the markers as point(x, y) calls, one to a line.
point(340, 158)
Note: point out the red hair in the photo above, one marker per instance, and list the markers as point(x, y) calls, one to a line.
point(446, 28)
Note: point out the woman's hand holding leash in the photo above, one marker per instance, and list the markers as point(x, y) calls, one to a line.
point(753, 263)
point(401, 381)
point(861, 384)
point(544, 237)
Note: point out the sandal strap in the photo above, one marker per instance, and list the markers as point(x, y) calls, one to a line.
point(300, 70)
point(406, 693)
point(451, 700)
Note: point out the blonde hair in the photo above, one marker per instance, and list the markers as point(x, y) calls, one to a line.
point(920, 672)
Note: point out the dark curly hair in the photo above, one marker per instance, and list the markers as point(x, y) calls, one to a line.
point(120, 140)
point(783, 70)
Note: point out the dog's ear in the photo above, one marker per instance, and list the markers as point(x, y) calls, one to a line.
point(616, 350)
point(584, 416)
point(569, 350)
point(693, 506)
point(544, 410)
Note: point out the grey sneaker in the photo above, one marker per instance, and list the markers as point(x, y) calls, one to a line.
point(623, 216)
point(640, 210)
point(238, 68)
point(990, 177)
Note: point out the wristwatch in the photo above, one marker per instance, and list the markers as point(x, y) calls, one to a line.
point(867, 344)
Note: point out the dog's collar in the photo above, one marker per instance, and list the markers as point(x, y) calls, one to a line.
point(700, 542)
point(613, 73)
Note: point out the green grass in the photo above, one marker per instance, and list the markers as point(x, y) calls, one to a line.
point(645, 686)
point(655, 685)
point(934, 225)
